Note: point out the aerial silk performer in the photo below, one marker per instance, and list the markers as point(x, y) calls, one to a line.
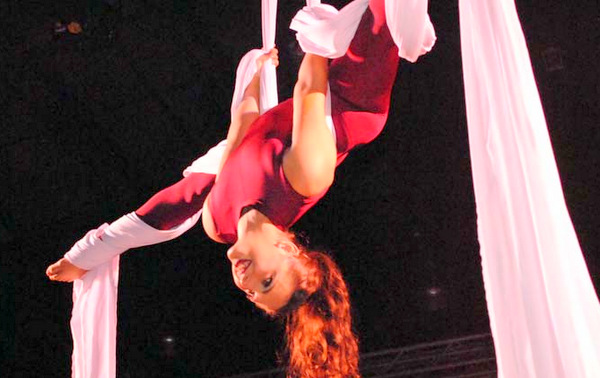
point(249, 190)
point(544, 313)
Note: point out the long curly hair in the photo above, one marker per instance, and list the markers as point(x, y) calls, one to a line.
point(318, 324)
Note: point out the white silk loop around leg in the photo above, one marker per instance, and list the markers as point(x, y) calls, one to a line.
point(325, 31)
point(100, 246)
point(544, 313)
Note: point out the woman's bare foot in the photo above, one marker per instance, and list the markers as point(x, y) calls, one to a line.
point(64, 271)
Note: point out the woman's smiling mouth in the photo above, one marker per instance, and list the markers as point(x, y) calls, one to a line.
point(241, 266)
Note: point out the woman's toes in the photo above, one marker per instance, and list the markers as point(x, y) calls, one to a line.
point(51, 270)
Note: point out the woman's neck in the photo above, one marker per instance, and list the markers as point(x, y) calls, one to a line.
point(254, 221)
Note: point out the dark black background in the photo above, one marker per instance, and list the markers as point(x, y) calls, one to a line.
point(92, 125)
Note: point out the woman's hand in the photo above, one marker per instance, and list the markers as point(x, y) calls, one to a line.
point(272, 55)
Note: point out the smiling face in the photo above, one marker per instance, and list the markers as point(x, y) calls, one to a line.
point(266, 266)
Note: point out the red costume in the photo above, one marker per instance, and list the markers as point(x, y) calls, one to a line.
point(360, 82)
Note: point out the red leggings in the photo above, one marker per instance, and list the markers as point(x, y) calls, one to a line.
point(172, 206)
point(361, 81)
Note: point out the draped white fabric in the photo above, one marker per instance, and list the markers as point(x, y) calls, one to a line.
point(544, 313)
point(94, 315)
point(268, 77)
point(94, 322)
point(410, 27)
point(247, 66)
point(209, 162)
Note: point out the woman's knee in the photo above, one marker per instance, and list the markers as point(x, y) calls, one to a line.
point(173, 205)
point(312, 75)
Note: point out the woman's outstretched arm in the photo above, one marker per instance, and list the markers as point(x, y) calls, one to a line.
point(248, 110)
point(309, 164)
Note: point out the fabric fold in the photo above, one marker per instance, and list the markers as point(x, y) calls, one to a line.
point(268, 79)
point(247, 66)
point(325, 31)
point(209, 162)
point(410, 26)
point(94, 322)
point(544, 312)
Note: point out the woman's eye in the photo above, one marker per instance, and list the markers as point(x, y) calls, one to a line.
point(266, 283)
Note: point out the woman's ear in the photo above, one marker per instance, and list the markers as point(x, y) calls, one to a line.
point(288, 247)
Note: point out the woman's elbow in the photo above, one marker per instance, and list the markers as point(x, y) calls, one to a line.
point(318, 176)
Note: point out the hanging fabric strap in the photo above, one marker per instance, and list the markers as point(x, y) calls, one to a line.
point(268, 78)
point(544, 313)
point(247, 66)
point(94, 316)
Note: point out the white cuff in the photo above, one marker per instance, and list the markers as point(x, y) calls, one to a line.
point(101, 245)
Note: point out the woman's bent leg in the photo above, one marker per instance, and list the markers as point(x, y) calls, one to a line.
point(173, 205)
point(165, 216)
point(361, 81)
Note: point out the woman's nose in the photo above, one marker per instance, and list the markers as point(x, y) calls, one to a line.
point(233, 253)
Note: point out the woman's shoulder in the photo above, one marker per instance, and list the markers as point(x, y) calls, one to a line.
point(208, 223)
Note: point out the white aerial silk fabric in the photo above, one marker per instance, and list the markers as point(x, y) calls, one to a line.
point(94, 322)
point(268, 77)
point(325, 31)
point(410, 27)
point(247, 65)
point(101, 245)
point(94, 316)
point(209, 162)
point(544, 313)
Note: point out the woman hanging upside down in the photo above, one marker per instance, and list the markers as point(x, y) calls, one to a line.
point(277, 166)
